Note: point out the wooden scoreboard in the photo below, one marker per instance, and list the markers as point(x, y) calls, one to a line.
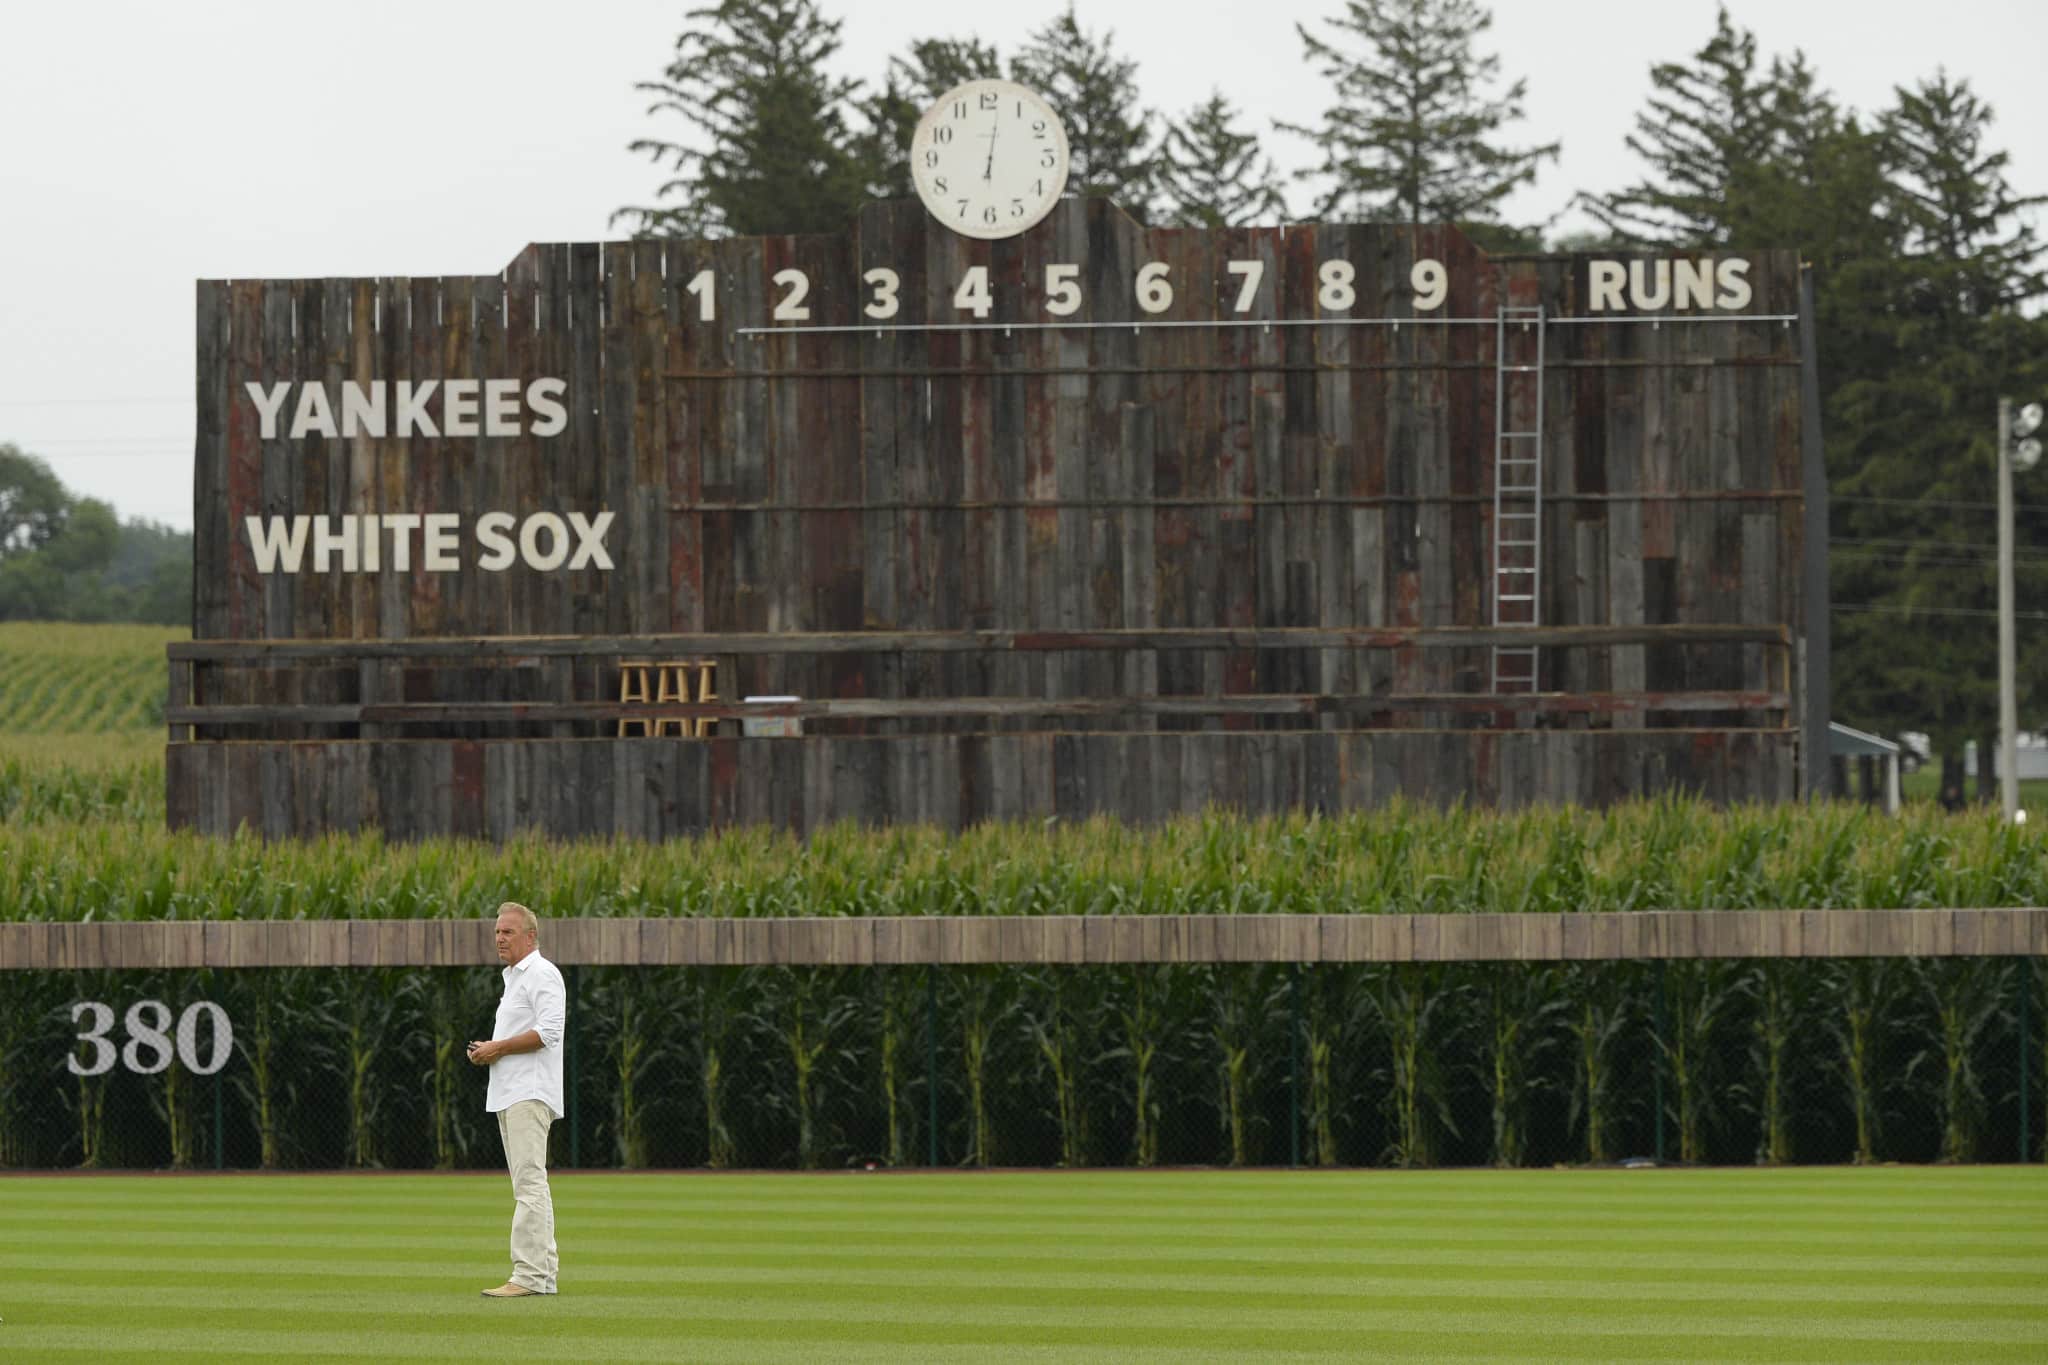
point(1092, 517)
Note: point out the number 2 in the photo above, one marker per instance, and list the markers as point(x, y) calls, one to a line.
point(792, 308)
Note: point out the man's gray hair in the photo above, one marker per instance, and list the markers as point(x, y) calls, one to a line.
point(532, 920)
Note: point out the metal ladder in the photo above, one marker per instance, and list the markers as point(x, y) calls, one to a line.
point(1517, 489)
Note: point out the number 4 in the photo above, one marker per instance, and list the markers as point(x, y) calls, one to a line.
point(973, 294)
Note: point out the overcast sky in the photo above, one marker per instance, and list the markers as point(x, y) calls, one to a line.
point(145, 146)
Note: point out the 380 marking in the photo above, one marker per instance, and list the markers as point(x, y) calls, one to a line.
point(147, 1025)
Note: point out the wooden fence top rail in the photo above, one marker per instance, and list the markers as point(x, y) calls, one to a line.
point(698, 941)
point(472, 648)
point(1273, 704)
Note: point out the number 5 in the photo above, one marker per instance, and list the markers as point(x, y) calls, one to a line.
point(1062, 294)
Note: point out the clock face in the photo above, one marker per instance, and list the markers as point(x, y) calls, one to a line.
point(989, 159)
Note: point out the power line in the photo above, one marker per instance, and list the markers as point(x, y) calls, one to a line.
point(81, 402)
point(1916, 502)
point(1935, 611)
point(1902, 543)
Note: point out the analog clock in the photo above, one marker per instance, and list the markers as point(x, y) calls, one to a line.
point(989, 159)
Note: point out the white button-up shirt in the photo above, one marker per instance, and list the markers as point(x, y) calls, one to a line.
point(536, 1000)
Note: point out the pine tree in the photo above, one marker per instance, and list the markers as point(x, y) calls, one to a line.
point(912, 85)
point(1413, 132)
point(1095, 92)
point(1912, 437)
point(1719, 136)
point(1212, 175)
point(1965, 225)
point(767, 147)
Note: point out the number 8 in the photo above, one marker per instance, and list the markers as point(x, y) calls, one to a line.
point(153, 1037)
point(1336, 295)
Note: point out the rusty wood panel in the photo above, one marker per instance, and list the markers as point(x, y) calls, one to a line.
point(512, 648)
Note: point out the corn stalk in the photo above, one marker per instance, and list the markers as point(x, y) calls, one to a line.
point(1141, 1017)
point(1700, 994)
point(271, 1009)
point(91, 1108)
point(1059, 1029)
point(24, 1010)
point(1524, 1009)
point(1778, 1024)
point(895, 1053)
point(720, 991)
point(987, 1000)
point(1966, 995)
point(456, 1007)
point(1407, 1000)
point(1599, 1016)
point(1330, 1025)
point(813, 1014)
point(1865, 994)
point(1238, 996)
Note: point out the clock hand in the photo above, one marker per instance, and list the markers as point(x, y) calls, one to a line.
point(989, 168)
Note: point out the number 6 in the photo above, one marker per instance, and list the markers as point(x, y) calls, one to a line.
point(1155, 295)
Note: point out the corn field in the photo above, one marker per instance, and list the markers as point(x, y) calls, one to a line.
point(58, 678)
point(1772, 1062)
point(77, 845)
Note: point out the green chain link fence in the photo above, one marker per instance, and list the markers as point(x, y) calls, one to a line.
point(1512, 1064)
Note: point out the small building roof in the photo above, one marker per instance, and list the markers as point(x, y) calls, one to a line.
point(1844, 742)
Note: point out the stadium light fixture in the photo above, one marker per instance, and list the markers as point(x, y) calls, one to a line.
point(2019, 447)
point(2026, 450)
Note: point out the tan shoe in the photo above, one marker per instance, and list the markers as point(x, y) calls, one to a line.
point(509, 1290)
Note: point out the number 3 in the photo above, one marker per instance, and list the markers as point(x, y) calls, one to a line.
point(103, 1051)
point(885, 281)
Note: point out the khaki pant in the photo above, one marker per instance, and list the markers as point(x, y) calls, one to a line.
point(524, 1129)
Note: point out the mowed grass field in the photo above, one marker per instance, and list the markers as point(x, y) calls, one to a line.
point(1790, 1264)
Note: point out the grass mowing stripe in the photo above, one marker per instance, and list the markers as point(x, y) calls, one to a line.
point(1961, 1277)
point(765, 1318)
point(1023, 1286)
point(1001, 1242)
point(1355, 1227)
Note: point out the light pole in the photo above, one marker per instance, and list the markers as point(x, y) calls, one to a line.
point(2017, 447)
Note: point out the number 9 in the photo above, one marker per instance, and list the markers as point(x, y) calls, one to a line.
point(1431, 284)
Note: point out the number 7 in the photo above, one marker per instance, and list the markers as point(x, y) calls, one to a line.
point(1253, 272)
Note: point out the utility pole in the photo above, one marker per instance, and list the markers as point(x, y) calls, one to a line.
point(2008, 702)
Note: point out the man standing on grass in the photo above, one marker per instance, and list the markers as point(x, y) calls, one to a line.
point(525, 1058)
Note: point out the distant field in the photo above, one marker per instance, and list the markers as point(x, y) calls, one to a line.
point(1918, 1263)
point(59, 678)
point(1925, 785)
point(80, 696)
